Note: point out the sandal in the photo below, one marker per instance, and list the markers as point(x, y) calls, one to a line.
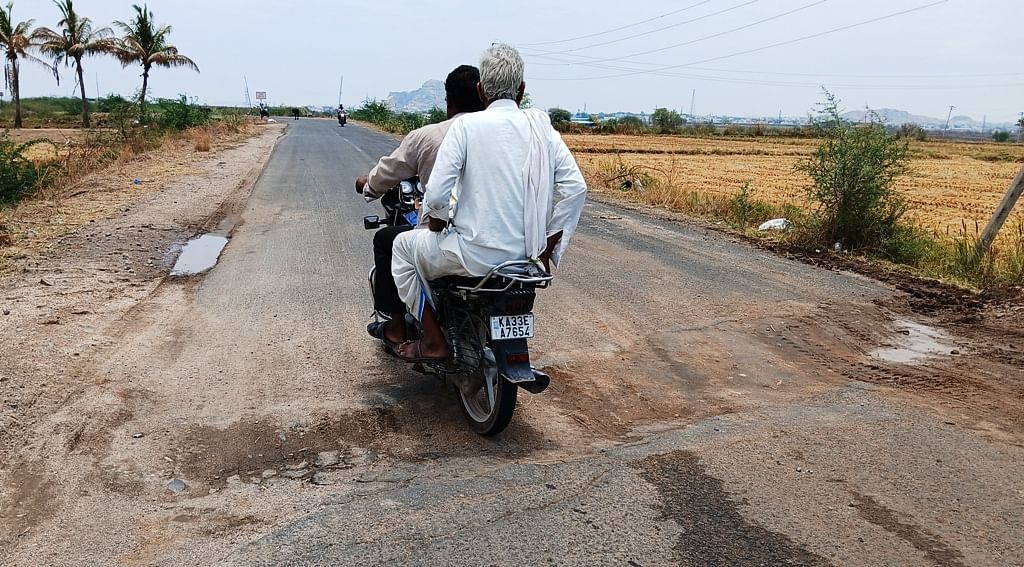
point(376, 330)
point(419, 358)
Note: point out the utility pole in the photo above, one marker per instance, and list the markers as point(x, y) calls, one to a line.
point(948, 116)
point(341, 87)
point(984, 123)
point(248, 101)
point(693, 103)
point(1002, 212)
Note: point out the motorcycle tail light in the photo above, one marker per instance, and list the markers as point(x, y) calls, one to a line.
point(519, 357)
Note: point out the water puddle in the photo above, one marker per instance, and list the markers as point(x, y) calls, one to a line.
point(915, 343)
point(199, 255)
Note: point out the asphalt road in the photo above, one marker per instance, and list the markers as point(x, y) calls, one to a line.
point(702, 411)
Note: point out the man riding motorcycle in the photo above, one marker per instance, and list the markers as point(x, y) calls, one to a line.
point(515, 193)
point(414, 157)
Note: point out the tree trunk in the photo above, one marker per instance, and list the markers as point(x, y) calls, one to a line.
point(142, 97)
point(85, 101)
point(15, 91)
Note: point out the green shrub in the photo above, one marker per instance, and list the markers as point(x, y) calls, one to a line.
point(19, 176)
point(111, 103)
point(908, 244)
point(741, 207)
point(912, 131)
point(665, 121)
point(233, 119)
point(372, 110)
point(180, 114)
point(1000, 135)
point(559, 115)
point(631, 125)
point(854, 171)
point(436, 115)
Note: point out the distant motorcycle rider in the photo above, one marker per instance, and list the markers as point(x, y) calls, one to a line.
point(414, 157)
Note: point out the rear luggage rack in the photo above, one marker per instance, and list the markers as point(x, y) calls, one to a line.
point(515, 272)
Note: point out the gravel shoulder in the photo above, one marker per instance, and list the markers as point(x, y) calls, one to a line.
point(73, 285)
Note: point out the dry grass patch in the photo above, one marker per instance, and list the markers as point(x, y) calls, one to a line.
point(951, 183)
point(200, 139)
point(96, 180)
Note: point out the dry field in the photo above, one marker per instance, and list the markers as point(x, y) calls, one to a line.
point(34, 224)
point(952, 182)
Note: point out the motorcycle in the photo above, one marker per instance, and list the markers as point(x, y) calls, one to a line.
point(487, 321)
point(342, 117)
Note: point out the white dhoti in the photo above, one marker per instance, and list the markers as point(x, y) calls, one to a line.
point(418, 258)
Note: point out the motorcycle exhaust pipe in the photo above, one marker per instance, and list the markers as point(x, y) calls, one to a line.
point(539, 384)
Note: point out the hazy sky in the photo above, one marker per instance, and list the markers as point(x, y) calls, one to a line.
point(965, 53)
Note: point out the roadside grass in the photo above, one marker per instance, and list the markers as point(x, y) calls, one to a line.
point(926, 252)
point(88, 176)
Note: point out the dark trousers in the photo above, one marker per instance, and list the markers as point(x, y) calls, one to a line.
point(385, 294)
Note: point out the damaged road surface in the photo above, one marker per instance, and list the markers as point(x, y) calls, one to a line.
point(711, 404)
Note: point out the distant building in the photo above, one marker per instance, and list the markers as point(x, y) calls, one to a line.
point(582, 119)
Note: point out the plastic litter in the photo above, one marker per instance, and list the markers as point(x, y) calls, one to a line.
point(775, 224)
point(136, 181)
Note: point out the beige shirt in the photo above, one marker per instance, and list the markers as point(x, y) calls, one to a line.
point(415, 156)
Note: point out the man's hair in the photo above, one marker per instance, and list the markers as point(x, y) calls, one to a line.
point(501, 72)
point(460, 87)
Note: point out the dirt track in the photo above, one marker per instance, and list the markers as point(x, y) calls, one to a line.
point(694, 376)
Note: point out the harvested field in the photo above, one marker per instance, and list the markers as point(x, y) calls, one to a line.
point(952, 182)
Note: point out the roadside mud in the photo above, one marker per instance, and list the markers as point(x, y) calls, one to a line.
point(248, 448)
point(27, 499)
point(714, 532)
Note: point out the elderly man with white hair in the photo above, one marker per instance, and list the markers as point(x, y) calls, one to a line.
point(511, 189)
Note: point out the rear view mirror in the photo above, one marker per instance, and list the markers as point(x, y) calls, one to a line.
point(371, 222)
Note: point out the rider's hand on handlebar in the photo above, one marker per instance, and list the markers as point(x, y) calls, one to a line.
point(361, 182)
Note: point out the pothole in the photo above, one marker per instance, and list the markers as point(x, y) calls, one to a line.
point(200, 254)
point(914, 344)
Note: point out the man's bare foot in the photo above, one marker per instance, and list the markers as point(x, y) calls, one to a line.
point(394, 331)
point(420, 351)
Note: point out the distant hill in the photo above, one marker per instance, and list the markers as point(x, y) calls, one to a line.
point(428, 96)
point(898, 117)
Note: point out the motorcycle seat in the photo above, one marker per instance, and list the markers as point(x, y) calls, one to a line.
point(523, 272)
point(462, 281)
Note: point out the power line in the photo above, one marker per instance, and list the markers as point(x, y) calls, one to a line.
point(675, 25)
point(748, 51)
point(777, 83)
point(672, 13)
point(595, 60)
point(852, 86)
point(858, 76)
point(624, 58)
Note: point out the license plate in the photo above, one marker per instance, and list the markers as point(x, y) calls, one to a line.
point(506, 327)
point(411, 217)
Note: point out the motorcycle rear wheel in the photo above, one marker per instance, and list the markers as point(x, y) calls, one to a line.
point(487, 399)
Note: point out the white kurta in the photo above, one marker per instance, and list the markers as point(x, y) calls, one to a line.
point(482, 171)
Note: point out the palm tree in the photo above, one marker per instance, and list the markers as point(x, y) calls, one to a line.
point(76, 39)
point(15, 40)
point(145, 43)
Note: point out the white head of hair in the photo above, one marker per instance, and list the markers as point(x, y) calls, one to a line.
point(501, 72)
